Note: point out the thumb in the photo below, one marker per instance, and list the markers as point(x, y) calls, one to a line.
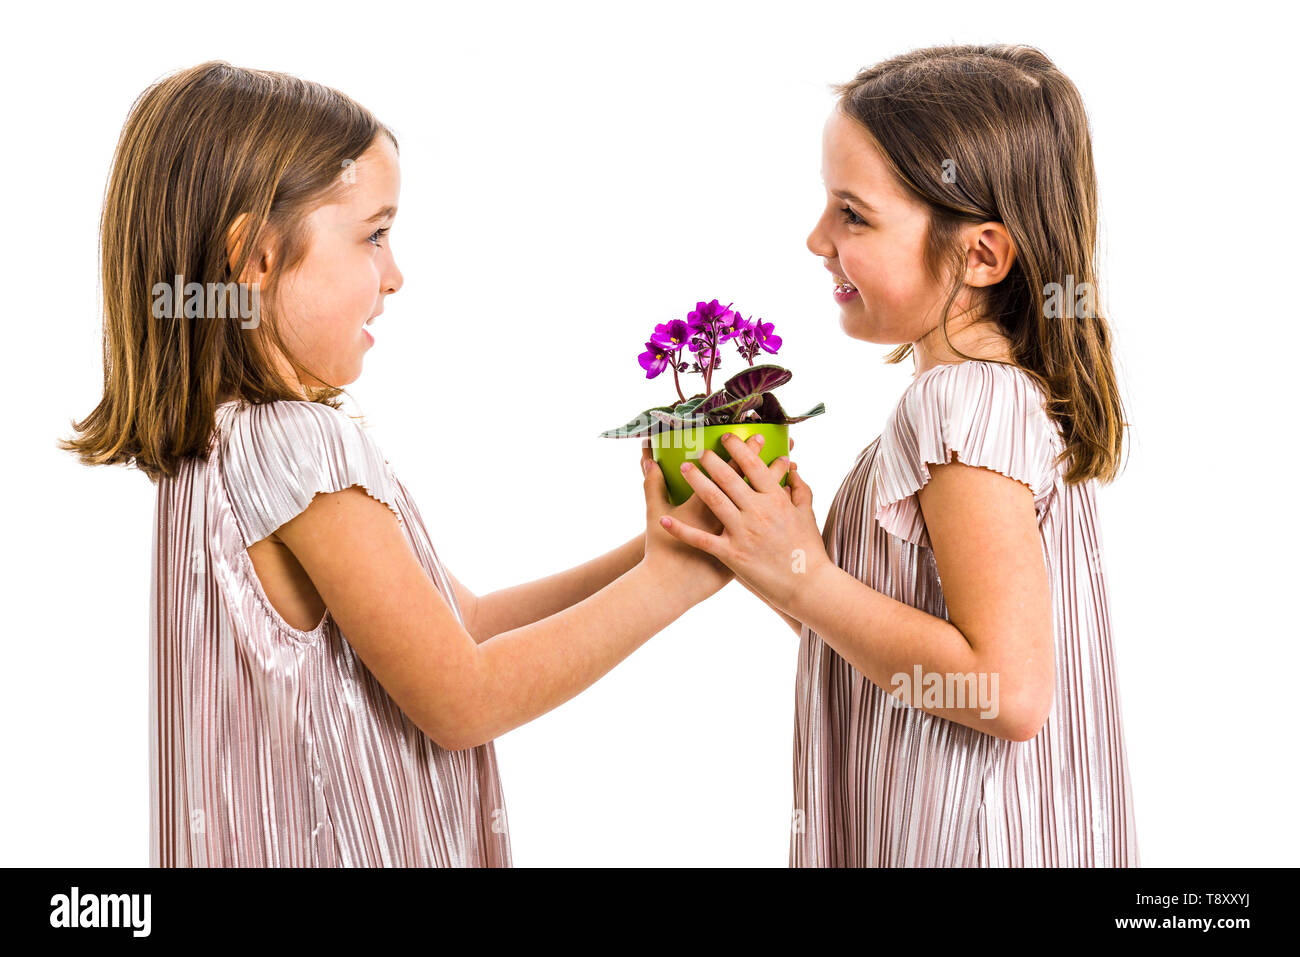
point(800, 493)
point(656, 488)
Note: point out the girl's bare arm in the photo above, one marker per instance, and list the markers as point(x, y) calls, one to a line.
point(795, 625)
point(459, 692)
point(519, 605)
point(984, 534)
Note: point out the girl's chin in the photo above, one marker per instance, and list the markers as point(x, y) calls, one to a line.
point(857, 327)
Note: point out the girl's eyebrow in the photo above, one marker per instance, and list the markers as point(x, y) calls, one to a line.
point(845, 194)
point(383, 213)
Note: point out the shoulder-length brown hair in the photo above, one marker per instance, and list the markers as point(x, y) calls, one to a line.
point(201, 147)
point(997, 133)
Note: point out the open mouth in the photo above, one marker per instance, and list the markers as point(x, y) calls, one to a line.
point(845, 291)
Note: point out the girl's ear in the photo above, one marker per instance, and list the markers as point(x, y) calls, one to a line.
point(259, 264)
point(989, 253)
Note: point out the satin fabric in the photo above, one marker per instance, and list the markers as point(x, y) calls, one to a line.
point(273, 746)
point(880, 783)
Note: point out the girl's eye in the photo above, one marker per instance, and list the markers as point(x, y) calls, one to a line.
point(852, 218)
point(377, 235)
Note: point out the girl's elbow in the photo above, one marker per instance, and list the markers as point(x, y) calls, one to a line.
point(455, 738)
point(454, 716)
point(1027, 717)
point(450, 725)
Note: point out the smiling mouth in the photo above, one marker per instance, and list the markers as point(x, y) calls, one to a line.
point(844, 286)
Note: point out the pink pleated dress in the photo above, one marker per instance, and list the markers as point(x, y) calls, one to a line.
point(272, 746)
point(879, 783)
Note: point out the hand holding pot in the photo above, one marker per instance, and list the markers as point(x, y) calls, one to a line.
point(675, 562)
point(769, 535)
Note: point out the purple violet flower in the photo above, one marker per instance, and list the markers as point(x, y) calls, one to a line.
point(702, 332)
point(708, 315)
point(739, 330)
point(764, 337)
point(671, 335)
point(654, 360)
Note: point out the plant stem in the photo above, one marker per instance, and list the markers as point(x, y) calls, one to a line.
point(677, 383)
point(713, 352)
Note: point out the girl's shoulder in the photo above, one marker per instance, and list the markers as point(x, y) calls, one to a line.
point(273, 458)
point(286, 426)
point(987, 396)
point(241, 414)
point(973, 377)
point(980, 413)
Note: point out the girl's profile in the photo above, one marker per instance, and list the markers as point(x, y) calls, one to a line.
point(323, 691)
point(957, 701)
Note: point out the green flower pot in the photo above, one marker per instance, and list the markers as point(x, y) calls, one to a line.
point(672, 447)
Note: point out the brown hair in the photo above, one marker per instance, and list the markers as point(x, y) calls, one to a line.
point(997, 133)
point(201, 147)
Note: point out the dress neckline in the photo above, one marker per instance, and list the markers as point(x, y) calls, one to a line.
point(945, 365)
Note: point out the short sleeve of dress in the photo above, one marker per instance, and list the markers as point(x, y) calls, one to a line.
point(276, 456)
point(991, 415)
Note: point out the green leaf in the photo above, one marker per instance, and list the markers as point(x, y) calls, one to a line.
point(642, 425)
point(817, 409)
point(757, 379)
point(732, 411)
point(772, 413)
point(684, 409)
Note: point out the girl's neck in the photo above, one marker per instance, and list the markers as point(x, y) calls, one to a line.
point(980, 341)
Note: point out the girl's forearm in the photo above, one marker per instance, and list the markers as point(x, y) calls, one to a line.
point(525, 672)
point(884, 639)
point(520, 605)
point(794, 624)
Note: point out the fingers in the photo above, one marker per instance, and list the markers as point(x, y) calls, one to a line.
point(762, 477)
point(754, 442)
point(655, 485)
point(691, 535)
point(730, 480)
point(719, 504)
point(800, 493)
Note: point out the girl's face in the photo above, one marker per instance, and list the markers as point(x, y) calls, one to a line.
point(326, 302)
point(872, 234)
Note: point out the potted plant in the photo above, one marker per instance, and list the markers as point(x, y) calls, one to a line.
point(743, 406)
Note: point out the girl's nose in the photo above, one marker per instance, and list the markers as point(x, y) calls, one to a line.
point(818, 244)
point(393, 279)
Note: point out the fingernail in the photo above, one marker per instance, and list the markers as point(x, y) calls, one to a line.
point(685, 466)
point(760, 439)
point(645, 466)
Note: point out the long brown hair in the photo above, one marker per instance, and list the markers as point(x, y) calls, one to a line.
point(199, 148)
point(982, 133)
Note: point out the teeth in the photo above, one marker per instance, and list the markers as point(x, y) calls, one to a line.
point(845, 287)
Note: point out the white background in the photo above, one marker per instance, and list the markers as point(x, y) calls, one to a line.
point(572, 175)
